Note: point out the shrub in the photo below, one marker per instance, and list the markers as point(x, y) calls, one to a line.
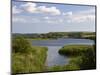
point(29, 62)
point(84, 55)
point(21, 45)
point(75, 50)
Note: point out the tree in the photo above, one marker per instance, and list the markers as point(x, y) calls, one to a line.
point(75, 35)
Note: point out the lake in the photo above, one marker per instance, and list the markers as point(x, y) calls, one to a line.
point(53, 57)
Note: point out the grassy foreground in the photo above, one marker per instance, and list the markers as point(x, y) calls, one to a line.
point(69, 67)
point(30, 60)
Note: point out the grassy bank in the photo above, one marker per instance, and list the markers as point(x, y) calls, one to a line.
point(30, 60)
point(83, 56)
point(75, 50)
point(38, 39)
point(69, 67)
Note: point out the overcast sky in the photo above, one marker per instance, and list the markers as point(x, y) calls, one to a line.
point(28, 17)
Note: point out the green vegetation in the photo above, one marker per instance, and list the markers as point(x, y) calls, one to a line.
point(83, 56)
point(21, 45)
point(92, 37)
point(69, 67)
point(75, 50)
point(27, 58)
point(39, 39)
point(56, 35)
point(75, 35)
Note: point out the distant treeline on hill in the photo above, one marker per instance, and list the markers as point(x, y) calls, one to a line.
point(55, 35)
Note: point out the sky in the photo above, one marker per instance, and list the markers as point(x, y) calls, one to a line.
point(32, 17)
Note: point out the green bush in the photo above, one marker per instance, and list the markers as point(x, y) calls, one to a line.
point(89, 59)
point(27, 58)
point(75, 50)
point(29, 62)
point(84, 55)
point(21, 45)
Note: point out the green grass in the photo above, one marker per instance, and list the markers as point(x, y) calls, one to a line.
point(83, 56)
point(75, 50)
point(29, 62)
point(38, 39)
point(74, 63)
point(27, 58)
point(69, 67)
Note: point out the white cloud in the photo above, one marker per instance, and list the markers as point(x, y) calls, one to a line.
point(15, 10)
point(53, 20)
point(50, 10)
point(80, 16)
point(46, 17)
point(24, 19)
point(29, 4)
point(68, 13)
point(29, 7)
point(16, 19)
point(33, 8)
point(89, 11)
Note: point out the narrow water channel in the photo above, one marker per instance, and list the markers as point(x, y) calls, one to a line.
point(53, 57)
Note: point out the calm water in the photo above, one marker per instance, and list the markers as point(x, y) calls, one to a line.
point(53, 57)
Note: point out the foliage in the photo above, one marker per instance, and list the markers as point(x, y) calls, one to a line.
point(24, 59)
point(74, 50)
point(56, 35)
point(69, 67)
point(89, 59)
point(20, 44)
point(84, 55)
point(75, 35)
point(31, 62)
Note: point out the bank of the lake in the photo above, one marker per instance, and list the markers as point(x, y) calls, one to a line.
point(27, 58)
point(38, 39)
point(82, 56)
point(33, 62)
